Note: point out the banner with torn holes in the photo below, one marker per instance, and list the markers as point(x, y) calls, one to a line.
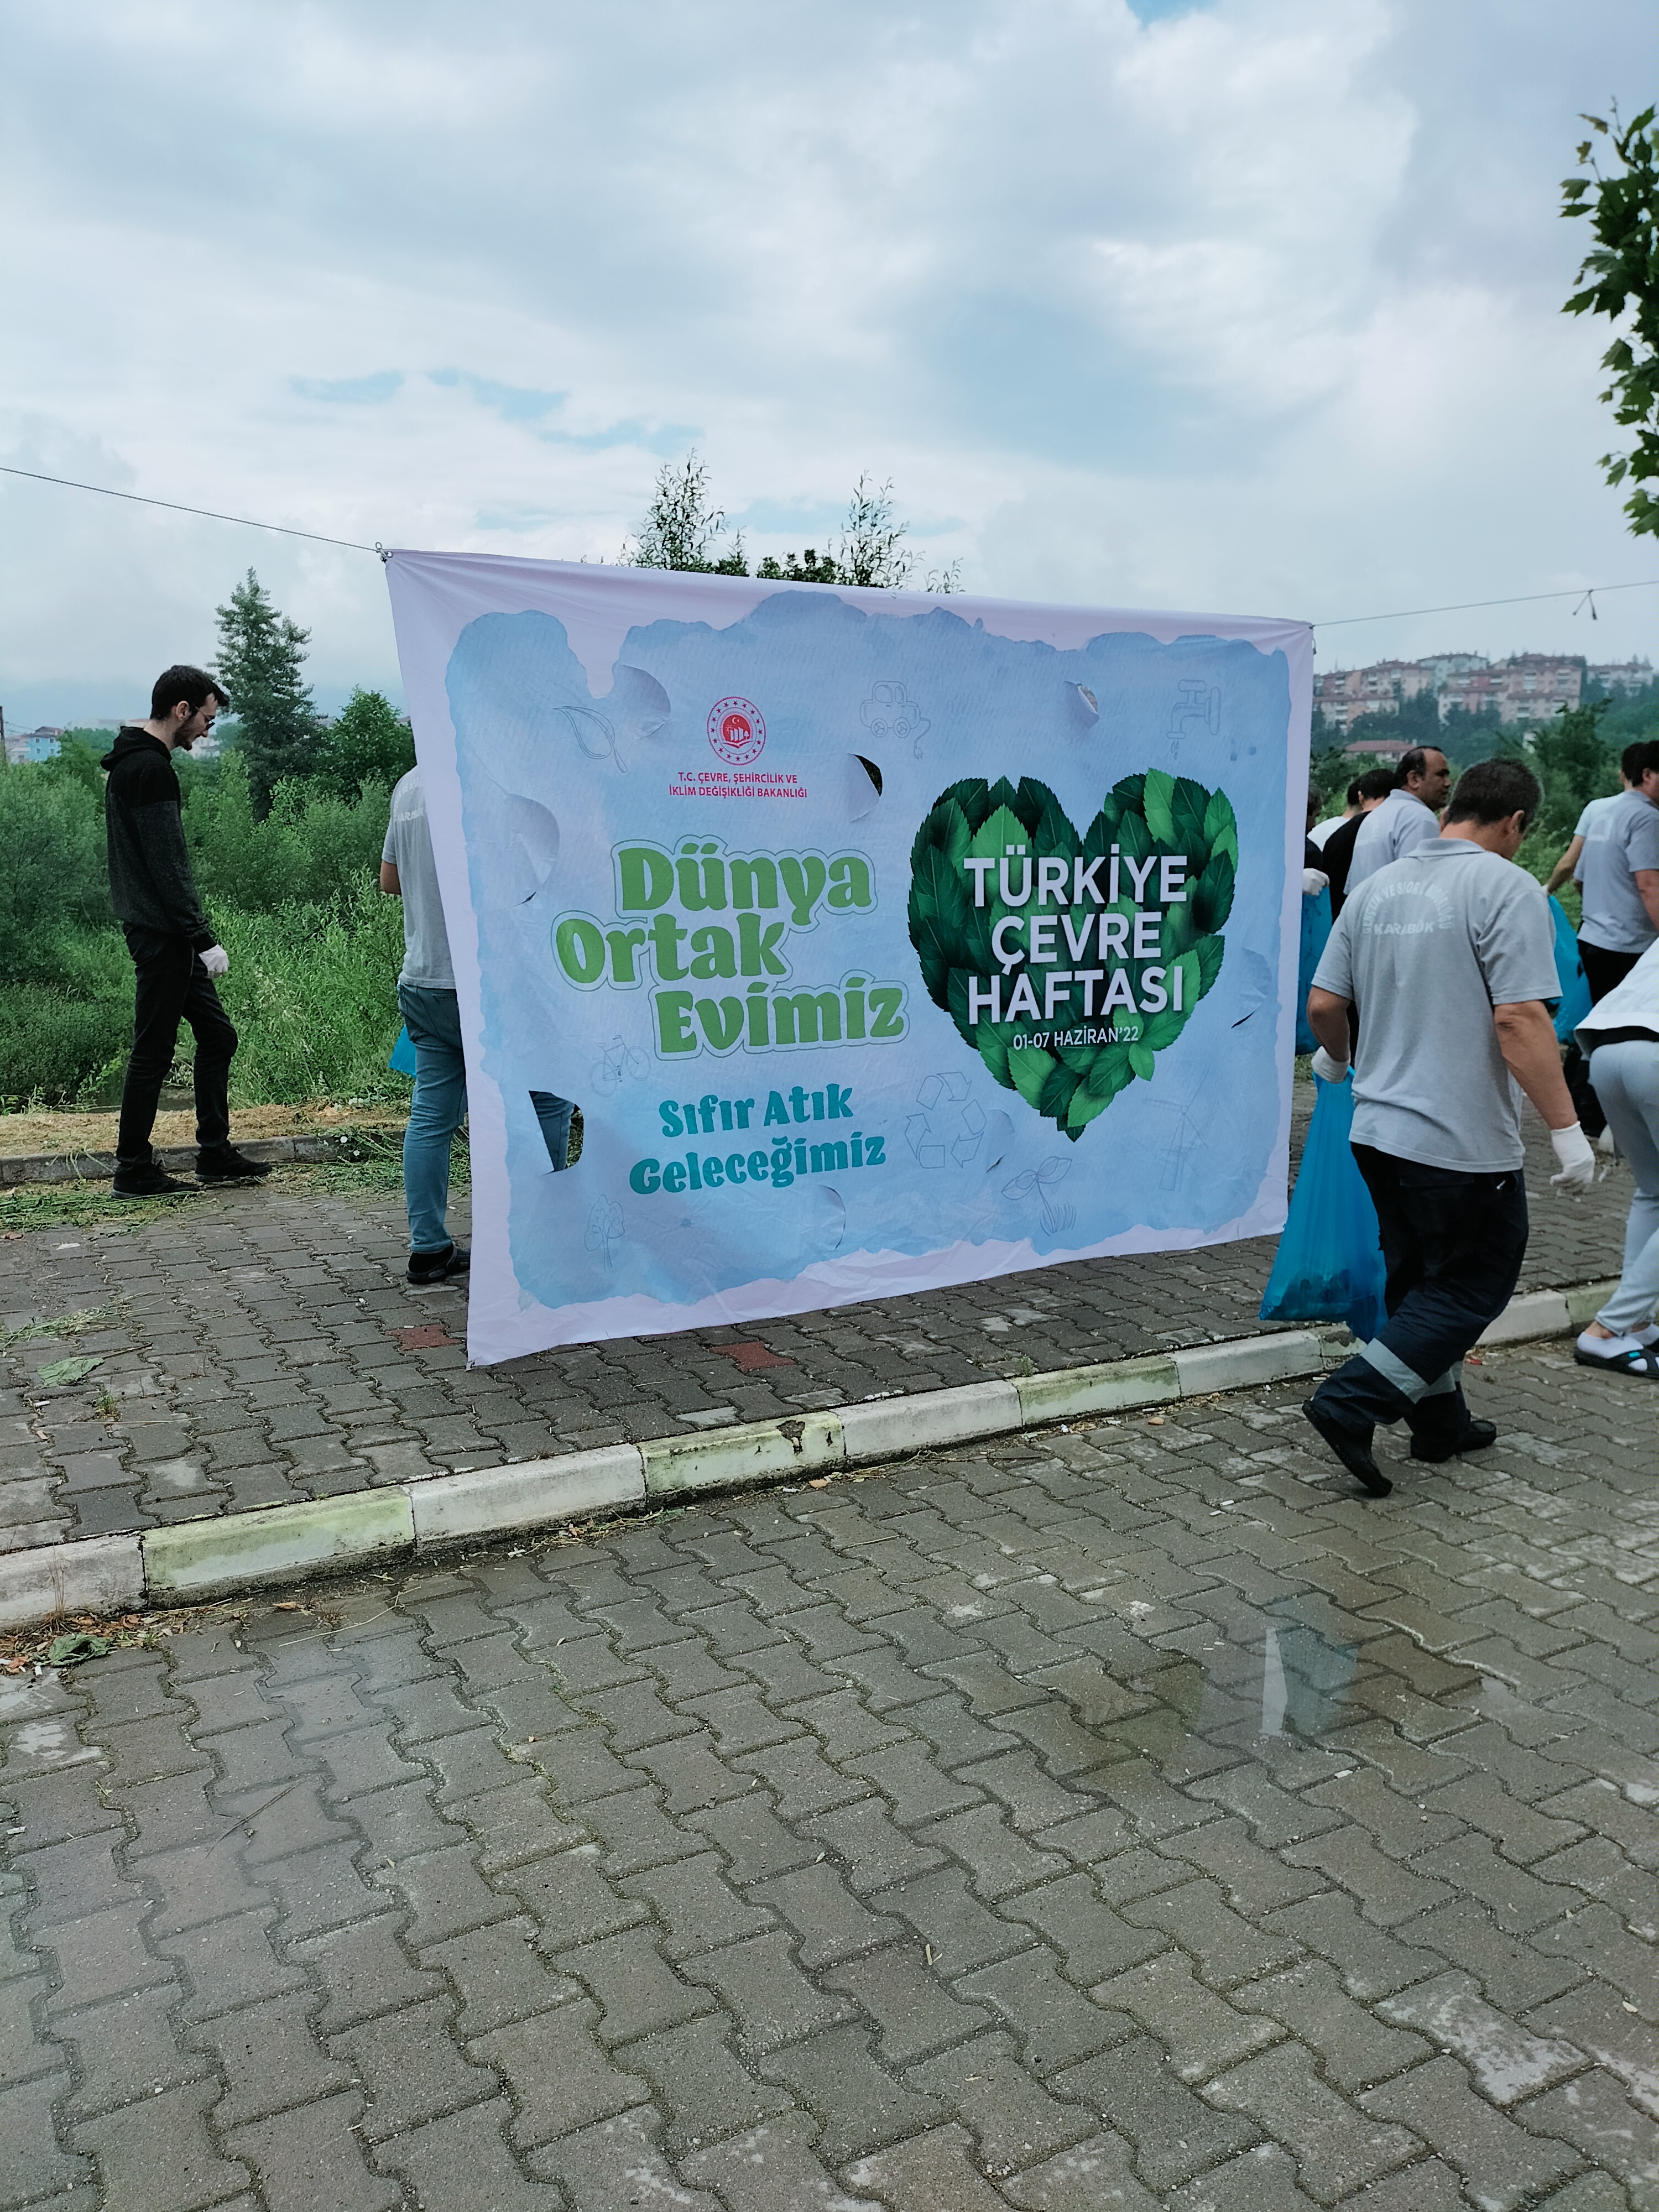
point(879, 941)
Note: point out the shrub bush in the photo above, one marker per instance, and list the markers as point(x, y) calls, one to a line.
point(313, 848)
point(54, 887)
point(53, 1047)
point(313, 992)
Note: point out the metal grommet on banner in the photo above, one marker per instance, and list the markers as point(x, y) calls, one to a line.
point(384, 552)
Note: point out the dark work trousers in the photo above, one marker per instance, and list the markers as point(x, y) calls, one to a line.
point(172, 987)
point(1602, 969)
point(1452, 1245)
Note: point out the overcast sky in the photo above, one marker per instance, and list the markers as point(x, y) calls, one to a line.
point(1251, 306)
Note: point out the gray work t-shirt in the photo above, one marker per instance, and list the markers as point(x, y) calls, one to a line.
point(1426, 948)
point(1388, 832)
point(1622, 838)
point(408, 848)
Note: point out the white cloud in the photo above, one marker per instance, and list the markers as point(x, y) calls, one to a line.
point(1254, 306)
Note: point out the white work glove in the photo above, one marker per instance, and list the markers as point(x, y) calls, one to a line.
point(216, 960)
point(1576, 1157)
point(1313, 882)
point(1328, 1070)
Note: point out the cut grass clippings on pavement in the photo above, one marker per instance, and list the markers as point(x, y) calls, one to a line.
point(69, 1324)
point(376, 1172)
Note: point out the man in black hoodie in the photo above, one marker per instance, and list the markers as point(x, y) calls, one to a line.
point(175, 952)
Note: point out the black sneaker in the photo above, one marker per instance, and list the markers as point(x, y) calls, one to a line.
point(428, 1267)
point(224, 1164)
point(1355, 1455)
point(149, 1180)
point(1475, 1437)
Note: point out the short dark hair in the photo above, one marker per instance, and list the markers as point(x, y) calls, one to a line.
point(1492, 790)
point(1636, 759)
point(1414, 763)
point(192, 685)
point(1375, 783)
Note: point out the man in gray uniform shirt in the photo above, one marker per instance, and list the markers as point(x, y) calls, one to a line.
point(1407, 817)
point(1450, 956)
point(1617, 872)
point(426, 995)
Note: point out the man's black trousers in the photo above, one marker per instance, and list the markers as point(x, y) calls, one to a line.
point(173, 987)
point(1452, 1245)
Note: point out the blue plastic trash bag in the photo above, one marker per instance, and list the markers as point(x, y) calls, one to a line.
point(1329, 1262)
point(1570, 971)
point(403, 1053)
point(1315, 928)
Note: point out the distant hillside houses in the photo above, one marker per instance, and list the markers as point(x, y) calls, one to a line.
point(26, 746)
point(1529, 687)
point(40, 745)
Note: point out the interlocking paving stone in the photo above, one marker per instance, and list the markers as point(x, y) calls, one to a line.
point(302, 1388)
point(401, 1899)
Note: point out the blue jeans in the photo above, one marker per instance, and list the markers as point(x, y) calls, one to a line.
point(435, 1112)
point(553, 1117)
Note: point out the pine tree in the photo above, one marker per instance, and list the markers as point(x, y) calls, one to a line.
point(261, 664)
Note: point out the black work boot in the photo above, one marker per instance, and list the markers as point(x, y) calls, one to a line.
point(146, 1179)
point(426, 1268)
point(1442, 1426)
point(1352, 1446)
point(224, 1164)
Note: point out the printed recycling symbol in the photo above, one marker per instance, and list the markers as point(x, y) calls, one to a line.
point(928, 1134)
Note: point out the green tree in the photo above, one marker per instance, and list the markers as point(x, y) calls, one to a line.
point(261, 664)
point(1575, 764)
point(809, 567)
point(682, 529)
point(872, 548)
point(1572, 762)
point(369, 742)
point(1623, 273)
point(870, 551)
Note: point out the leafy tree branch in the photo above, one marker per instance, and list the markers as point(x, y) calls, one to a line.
point(1619, 278)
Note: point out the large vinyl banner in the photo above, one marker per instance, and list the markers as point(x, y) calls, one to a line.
point(883, 941)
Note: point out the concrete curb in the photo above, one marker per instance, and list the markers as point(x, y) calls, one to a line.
point(178, 1159)
point(216, 1558)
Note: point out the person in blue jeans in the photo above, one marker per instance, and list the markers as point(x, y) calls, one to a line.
point(431, 1012)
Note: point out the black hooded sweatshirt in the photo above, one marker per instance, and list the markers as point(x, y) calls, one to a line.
point(151, 883)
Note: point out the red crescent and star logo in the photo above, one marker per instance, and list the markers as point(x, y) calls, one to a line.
point(736, 732)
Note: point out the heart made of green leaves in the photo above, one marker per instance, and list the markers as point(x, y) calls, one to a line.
point(1143, 815)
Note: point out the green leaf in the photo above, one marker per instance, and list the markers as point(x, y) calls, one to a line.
point(1157, 804)
point(1070, 1085)
point(58, 1374)
point(1030, 1069)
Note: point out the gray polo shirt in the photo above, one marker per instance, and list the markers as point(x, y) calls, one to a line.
point(1426, 948)
point(408, 848)
point(1388, 832)
point(1620, 839)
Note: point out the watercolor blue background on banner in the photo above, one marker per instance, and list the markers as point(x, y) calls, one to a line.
point(555, 773)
